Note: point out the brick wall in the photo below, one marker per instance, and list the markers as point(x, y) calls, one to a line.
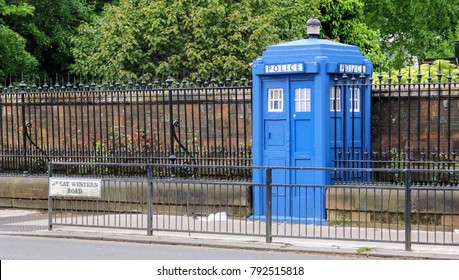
point(417, 119)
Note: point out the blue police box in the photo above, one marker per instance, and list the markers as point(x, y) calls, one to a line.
point(296, 110)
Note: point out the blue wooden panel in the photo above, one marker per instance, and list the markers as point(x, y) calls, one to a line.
point(303, 136)
point(275, 134)
point(280, 199)
point(307, 200)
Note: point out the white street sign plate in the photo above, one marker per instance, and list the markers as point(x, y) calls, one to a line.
point(66, 187)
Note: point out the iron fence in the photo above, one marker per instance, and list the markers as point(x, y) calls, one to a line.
point(144, 122)
point(413, 123)
point(414, 120)
point(355, 204)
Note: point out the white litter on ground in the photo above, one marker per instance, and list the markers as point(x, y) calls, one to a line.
point(217, 217)
point(456, 230)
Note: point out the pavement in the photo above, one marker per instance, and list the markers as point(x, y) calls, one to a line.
point(30, 223)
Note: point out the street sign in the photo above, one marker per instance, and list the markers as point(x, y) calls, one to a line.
point(65, 187)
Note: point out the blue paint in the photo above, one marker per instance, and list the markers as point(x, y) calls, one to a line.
point(303, 136)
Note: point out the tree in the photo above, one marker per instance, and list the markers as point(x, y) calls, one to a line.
point(207, 36)
point(179, 36)
point(13, 55)
point(290, 17)
point(414, 29)
point(344, 21)
point(48, 31)
point(128, 37)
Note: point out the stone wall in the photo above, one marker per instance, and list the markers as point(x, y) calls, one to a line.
point(168, 197)
point(386, 206)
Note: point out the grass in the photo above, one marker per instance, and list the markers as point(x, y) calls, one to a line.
point(363, 250)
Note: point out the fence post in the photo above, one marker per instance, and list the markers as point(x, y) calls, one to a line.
point(150, 200)
point(50, 199)
point(269, 205)
point(22, 86)
point(407, 210)
point(172, 156)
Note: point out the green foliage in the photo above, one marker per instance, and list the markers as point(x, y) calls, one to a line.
point(207, 37)
point(290, 17)
point(364, 251)
point(343, 21)
point(19, 9)
point(13, 55)
point(413, 29)
point(49, 29)
point(183, 36)
point(423, 74)
point(123, 38)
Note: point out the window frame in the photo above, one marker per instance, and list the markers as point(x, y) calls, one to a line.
point(354, 100)
point(335, 99)
point(300, 101)
point(272, 100)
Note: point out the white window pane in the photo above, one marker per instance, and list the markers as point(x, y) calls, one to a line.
point(302, 100)
point(337, 99)
point(355, 100)
point(275, 100)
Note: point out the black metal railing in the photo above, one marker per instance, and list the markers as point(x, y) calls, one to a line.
point(145, 122)
point(414, 119)
point(396, 209)
point(413, 123)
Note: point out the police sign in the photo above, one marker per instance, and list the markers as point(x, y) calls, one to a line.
point(352, 68)
point(284, 68)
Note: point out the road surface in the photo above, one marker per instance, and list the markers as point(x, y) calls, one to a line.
point(43, 248)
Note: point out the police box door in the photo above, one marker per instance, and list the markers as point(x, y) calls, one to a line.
point(288, 124)
point(302, 101)
point(276, 146)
